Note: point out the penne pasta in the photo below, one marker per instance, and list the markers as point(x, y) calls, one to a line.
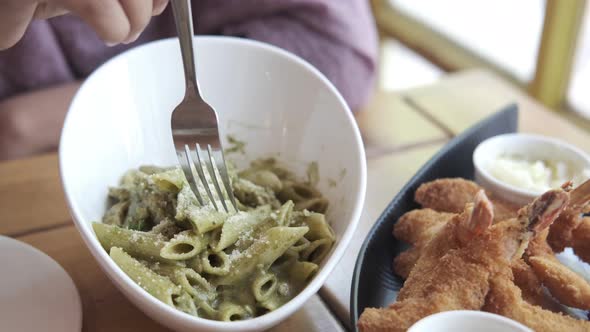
point(316, 251)
point(166, 228)
point(302, 272)
point(284, 215)
point(318, 227)
point(237, 225)
point(184, 245)
point(253, 195)
point(170, 180)
point(262, 252)
point(116, 214)
point(287, 258)
point(300, 245)
point(272, 165)
point(138, 244)
point(264, 285)
point(189, 280)
point(316, 204)
point(215, 263)
point(185, 303)
point(273, 302)
point(229, 312)
point(263, 178)
point(158, 286)
point(297, 192)
point(210, 263)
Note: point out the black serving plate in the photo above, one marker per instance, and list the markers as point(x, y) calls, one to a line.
point(373, 283)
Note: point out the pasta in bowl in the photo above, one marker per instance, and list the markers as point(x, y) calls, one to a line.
point(214, 264)
point(275, 103)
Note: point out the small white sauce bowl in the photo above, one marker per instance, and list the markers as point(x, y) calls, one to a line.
point(467, 320)
point(531, 147)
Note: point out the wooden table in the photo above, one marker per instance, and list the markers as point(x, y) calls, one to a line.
point(401, 132)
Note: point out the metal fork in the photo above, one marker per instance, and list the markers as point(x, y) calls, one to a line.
point(194, 124)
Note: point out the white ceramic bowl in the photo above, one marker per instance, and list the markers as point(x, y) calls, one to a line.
point(467, 321)
point(532, 147)
point(274, 101)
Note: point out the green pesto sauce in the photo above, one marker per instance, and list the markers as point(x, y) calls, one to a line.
point(313, 173)
point(236, 146)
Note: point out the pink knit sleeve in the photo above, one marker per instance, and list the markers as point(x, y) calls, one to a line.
point(337, 36)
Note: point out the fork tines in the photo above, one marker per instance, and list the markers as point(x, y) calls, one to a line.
point(214, 170)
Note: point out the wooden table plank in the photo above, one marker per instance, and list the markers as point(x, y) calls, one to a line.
point(31, 196)
point(104, 307)
point(107, 309)
point(460, 100)
point(389, 124)
point(32, 203)
point(314, 316)
point(386, 176)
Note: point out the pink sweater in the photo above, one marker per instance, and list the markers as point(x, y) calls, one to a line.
point(336, 36)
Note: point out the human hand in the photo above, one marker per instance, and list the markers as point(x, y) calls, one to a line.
point(115, 21)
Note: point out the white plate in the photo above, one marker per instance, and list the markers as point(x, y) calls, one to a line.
point(36, 294)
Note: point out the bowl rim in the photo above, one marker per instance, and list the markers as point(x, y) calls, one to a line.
point(482, 315)
point(150, 303)
point(535, 139)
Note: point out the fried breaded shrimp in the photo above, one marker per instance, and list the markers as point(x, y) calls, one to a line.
point(405, 261)
point(505, 299)
point(452, 194)
point(460, 229)
point(416, 227)
point(445, 239)
point(581, 240)
point(458, 277)
point(419, 226)
point(569, 229)
point(561, 234)
point(532, 287)
point(539, 246)
point(566, 285)
point(447, 195)
point(464, 287)
point(524, 276)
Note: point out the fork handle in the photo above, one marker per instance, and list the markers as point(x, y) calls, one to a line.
point(183, 19)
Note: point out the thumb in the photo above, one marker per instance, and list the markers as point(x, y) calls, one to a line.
point(47, 10)
point(14, 20)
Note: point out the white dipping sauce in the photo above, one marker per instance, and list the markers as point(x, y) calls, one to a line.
point(535, 175)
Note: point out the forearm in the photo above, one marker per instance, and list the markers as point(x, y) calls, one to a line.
point(31, 123)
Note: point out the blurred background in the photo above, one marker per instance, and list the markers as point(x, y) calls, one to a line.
point(541, 46)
